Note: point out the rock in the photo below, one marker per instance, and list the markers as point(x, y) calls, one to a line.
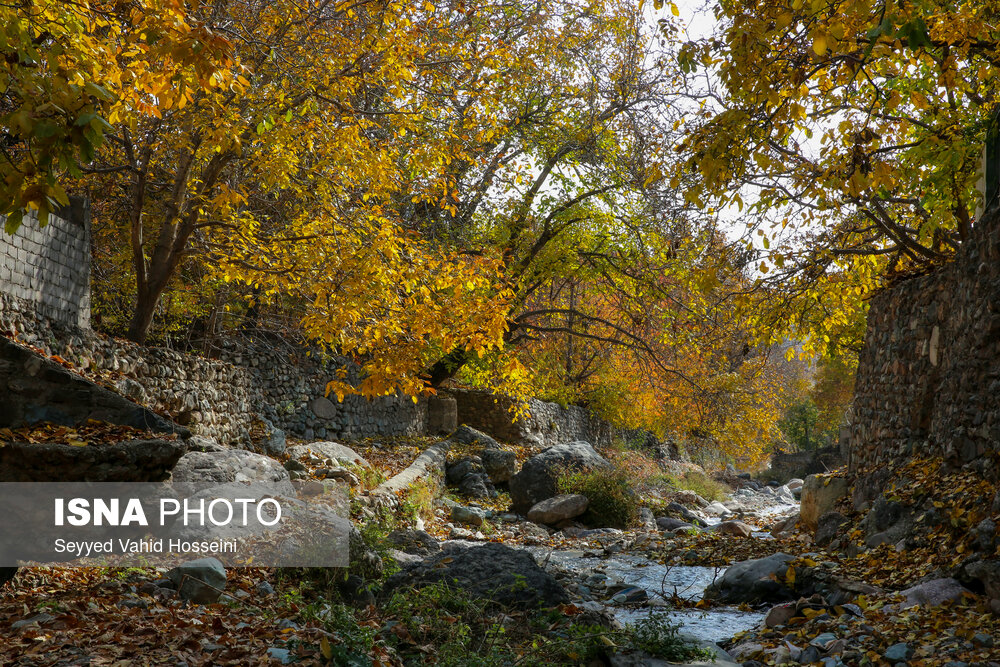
point(323, 408)
point(785, 526)
point(414, 542)
point(530, 529)
point(794, 485)
point(274, 440)
point(897, 653)
point(716, 509)
point(37, 619)
point(647, 519)
point(200, 443)
point(472, 516)
point(232, 465)
point(465, 466)
point(819, 496)
point(984, 573)
point(753, 581)
point(686, 514)
point(691, 499)
point(201, 581)
point(403, 559)
point(477, 485)
point(466, 435)
point(986, 536)
point(560, 508)
point(737, 528)
point(328, 451)
point(809, 655)
point(670, 523)
point(292, 465)
point(537, 479)
point(264, 588)
point(780, 615)
point(509, 578)
point(628, 595)
point(499, 464)
point(932, 593)
point(827, 527)
point(132, 461)
point(457, 533)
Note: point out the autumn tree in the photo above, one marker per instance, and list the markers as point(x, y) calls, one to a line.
point(849, 134)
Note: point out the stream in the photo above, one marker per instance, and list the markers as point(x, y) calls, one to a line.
point(663, 581)
point(689, 582)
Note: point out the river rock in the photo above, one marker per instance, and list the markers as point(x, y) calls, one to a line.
point(737, 528)
point(785, 527)
point(499, 464)
point(560, 508)
point(780, 615)
point(472, 516)
point(933, 593)
point(753, 581)
point(827, 527)
point(537, 479)
point(201, 581)
point(670, 523)
point(328, 451)
point(232, 465)
point(509, 578)
point(417, 542)
point(819, 496)
point(691, 499)
point(716, 509)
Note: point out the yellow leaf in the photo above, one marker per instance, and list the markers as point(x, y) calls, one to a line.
point(819, 45)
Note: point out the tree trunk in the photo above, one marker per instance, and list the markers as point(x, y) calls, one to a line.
point(142, 316)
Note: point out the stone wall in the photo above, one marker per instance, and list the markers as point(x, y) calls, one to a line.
point(929, 375)
point(210, 397)
point(291, 384)
point(222, 398)
point(546, 424)
point(49, 266)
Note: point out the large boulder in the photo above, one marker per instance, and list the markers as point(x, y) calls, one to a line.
point(232, 465)
point(508, 578)
point(466, 435)
point(933, 593)
point(753, 581)
point(828, 527)
point(888, 522)
point(819, 496)
point(332, 452)
point(133, 461)
point(499, 464)
point(201, 581)
point(557, 509)
point(537, 479)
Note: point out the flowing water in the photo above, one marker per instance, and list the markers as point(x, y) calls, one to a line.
point(660, 582)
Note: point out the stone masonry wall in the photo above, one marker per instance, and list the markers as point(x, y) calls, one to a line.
point(209, 397)
point(220, 398)
point(928, 380)
point(50, 266)
point(292, 387)
point(547, 423)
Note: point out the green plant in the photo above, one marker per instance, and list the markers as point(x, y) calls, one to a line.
point(659, 637)
point(613, 503)
point(704, 486)
point(419, 500)
point(458, 626)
